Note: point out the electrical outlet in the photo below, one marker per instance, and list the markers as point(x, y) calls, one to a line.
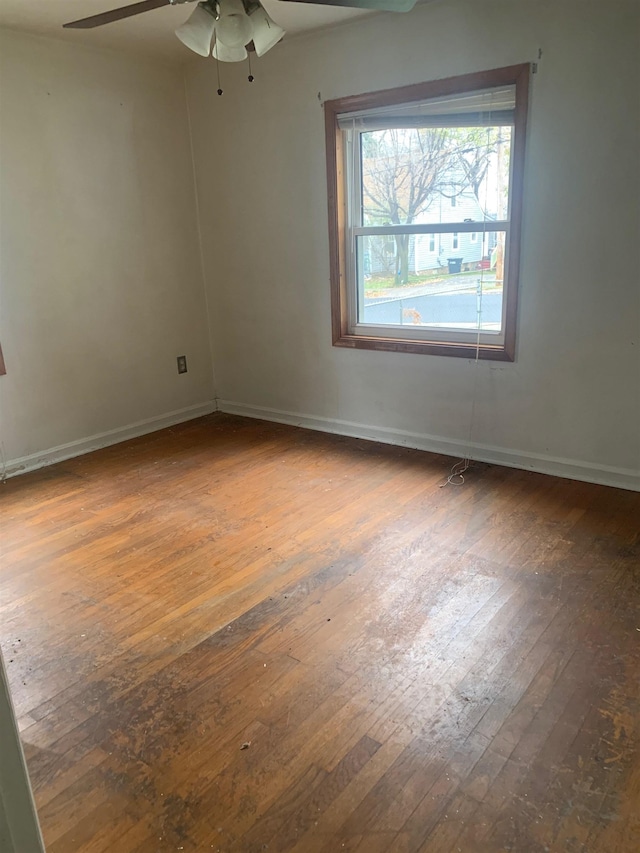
point(182, 363)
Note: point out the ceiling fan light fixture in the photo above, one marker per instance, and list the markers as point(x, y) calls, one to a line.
point(229, 54)
point(234, 27)
point(266, 33)
point(197, 32)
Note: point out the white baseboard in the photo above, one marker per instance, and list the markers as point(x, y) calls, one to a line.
point(103, 439)
point(571, 469)
point(623, 478)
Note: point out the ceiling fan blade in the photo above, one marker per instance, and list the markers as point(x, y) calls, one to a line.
point(379, 5)
point(116, 14)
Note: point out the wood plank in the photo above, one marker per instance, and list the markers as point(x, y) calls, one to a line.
point(415, 667)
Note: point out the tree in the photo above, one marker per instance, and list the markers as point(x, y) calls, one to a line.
point(477, 144)
point(405, 169)
point(402, 169)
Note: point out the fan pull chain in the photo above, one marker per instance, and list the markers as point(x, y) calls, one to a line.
point(250, 78)
point(218, 70)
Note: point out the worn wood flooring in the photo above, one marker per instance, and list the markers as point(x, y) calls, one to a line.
point(411, 667)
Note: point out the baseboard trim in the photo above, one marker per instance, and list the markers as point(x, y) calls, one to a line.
point(43, 458)
point(571, 469)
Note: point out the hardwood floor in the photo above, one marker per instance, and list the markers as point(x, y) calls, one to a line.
point(411, 667)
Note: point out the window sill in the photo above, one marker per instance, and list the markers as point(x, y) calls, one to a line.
point(457, 350)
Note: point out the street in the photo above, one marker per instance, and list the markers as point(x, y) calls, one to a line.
point(440, 308)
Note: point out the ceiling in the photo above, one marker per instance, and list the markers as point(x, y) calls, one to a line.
point(151, 32)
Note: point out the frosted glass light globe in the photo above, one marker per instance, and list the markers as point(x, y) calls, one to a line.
point(234, 30)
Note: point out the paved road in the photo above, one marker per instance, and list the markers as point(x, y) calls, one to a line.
point(439, 308)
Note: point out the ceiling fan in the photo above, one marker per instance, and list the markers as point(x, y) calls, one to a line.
point(230, 26)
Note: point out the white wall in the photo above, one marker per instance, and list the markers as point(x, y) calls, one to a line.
point(100, 271)
point(571, 402)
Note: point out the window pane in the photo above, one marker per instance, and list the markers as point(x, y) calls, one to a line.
point(402, 282)
point(435, 174)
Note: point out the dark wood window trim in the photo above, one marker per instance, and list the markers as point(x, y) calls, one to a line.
point(2, 367)
point(518, 75)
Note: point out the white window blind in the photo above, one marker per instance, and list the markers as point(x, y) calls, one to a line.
point(495, 107)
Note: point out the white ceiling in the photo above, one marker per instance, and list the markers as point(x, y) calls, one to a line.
point(152, 31)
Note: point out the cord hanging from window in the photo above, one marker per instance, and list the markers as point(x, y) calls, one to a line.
point(459, 469)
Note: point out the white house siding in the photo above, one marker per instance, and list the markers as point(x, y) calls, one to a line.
point(442, 212)
point(380, 258)
point(467, 250)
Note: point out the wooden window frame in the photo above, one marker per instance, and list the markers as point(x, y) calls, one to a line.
point(518, 75)
point(3, 369)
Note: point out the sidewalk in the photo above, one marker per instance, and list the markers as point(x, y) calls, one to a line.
point(448, 284)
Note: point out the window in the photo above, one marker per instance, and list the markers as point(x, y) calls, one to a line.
point(396, 159)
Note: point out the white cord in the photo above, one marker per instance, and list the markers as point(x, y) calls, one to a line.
point(460, 468)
